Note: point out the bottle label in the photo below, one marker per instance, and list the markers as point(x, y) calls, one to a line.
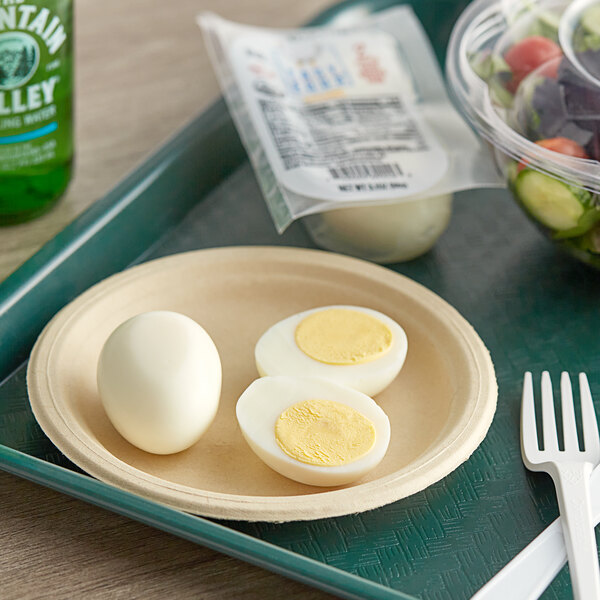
point(35, 84)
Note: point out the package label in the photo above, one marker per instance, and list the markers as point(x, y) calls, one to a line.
point(336, 113)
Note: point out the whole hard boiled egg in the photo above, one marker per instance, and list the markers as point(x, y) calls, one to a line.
point(312, 430)
point(159, 379)
point(350, 345)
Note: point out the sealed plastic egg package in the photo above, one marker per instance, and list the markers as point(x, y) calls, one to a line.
point(350, 127)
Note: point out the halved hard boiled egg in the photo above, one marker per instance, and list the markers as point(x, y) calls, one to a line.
point(350, 345)
point(312, 430)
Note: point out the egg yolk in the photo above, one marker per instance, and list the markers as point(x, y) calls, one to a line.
point(341, 336)
point(324, 433)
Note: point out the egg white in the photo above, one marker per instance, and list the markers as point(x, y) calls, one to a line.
point(276, 353)
point(259, 407)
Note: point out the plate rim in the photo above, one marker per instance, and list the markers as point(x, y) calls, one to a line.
point(270, 508)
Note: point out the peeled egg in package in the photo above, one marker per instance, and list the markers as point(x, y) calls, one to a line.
point(312, 430)
point(159, 378)
point(350, 345)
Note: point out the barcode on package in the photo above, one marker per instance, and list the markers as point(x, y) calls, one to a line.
point(370, 171)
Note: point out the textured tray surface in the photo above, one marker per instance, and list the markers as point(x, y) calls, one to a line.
point(533, 308)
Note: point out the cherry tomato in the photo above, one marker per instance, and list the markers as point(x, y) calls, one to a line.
point(527, 55)
point(562, 145)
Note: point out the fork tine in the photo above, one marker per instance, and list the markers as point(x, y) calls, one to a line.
point(548, 417)
point(529, 438)
point(568, 413)
point(588, 417)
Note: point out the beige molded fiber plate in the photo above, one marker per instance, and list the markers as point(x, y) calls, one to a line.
point(440, 406)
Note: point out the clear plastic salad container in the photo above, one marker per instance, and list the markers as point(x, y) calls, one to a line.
point(526, 75)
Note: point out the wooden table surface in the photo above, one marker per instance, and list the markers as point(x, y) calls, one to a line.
point(141, 72)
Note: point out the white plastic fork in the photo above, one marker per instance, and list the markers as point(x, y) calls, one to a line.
point(570, 470)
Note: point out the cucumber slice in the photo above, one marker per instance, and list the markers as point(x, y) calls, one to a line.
point(590, 19)
point(588, 220)
point(553, 203)
point(586, 246)
point(592, 241)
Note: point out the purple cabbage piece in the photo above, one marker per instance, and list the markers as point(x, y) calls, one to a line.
point(581, 103)
point(568, 75)
point(581, 97)
point(548, 102)
point(568, 106)
point(590, 59)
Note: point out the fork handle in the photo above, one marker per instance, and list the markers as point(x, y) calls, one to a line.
point(572, 481)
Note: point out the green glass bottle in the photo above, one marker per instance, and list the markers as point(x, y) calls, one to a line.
point(36, 132)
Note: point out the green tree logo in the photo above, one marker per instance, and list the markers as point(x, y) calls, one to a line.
point(19, 59)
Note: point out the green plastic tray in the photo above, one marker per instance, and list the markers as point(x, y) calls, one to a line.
point(534, 308)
